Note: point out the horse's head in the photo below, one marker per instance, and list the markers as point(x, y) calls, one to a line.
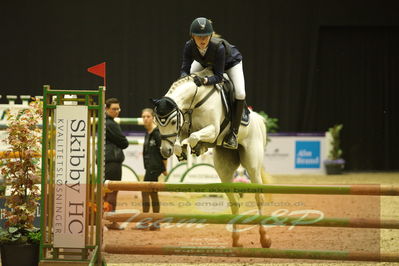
point(169, 119)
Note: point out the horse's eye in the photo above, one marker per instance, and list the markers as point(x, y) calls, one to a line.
point(173, 122)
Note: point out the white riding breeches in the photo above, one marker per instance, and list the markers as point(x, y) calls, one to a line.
point(236, 75)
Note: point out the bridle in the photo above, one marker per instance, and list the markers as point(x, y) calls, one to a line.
point(165, 119)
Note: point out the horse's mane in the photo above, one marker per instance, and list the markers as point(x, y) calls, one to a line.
point(177, 83)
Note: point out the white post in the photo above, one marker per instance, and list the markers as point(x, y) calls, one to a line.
point(11, 99)
point(25, 99)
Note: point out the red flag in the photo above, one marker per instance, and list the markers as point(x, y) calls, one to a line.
point(98, 70)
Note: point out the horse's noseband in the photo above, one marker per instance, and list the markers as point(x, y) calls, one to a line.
point(164, 120)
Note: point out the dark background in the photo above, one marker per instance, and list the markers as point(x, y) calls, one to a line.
point(311, 64)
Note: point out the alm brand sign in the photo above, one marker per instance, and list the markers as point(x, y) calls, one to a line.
point(307, 154)
point(70, 176)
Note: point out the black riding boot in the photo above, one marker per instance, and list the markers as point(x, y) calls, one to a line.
point(230, 141)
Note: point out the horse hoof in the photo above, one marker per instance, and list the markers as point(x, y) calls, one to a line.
point(193, 141)
point(266, 242)
point(237, 245)
point(177, 149)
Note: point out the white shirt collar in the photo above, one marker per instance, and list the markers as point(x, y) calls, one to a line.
point(202, 51)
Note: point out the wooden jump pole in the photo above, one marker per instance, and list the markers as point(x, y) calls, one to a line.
point(253, 252)
point(252, 219)
point(14, 155)
point(371, 190)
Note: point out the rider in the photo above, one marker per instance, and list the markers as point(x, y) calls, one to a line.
point(205, 50)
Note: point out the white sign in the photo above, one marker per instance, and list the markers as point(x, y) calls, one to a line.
point(290, 153)
point(70, 176)
point(295, 155)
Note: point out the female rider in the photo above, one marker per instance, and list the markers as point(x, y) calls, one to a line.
point(203, 50)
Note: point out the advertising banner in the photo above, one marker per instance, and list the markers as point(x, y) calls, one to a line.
point(70, 176)
point(286, 153)
point(296, 154)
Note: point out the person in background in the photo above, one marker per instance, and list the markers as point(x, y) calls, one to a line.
point(115, 142)
point(154, 163)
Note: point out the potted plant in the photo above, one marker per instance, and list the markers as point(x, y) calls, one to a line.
point(19, 239)
point(334, 163)
point(271, 124)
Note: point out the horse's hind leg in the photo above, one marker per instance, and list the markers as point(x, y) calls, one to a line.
point(253, 165)
point(265, 239)
point(226, 162)
point(235, 209)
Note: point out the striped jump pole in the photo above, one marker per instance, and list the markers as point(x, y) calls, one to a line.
point(14, 155)
point(371, 190)
point(129, 121)
point(119, 120)
point(251, 219)
point(253, 253)
point(136, 142)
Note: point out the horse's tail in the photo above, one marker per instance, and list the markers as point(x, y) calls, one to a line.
point(261, 122)
point(266, 177)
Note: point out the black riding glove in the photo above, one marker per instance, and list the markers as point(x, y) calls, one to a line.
point(199, 81)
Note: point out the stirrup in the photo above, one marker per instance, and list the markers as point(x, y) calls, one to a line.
point(231, 141)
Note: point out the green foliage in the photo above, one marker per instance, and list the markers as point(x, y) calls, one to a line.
point(15, 235)
point(335, 152)
point(21, 171)
point(271, 124)
point(2, 189)
point(34, 236)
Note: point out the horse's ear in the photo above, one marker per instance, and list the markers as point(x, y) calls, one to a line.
point(154, 101)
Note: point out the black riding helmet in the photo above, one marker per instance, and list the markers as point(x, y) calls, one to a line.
point(201, 27)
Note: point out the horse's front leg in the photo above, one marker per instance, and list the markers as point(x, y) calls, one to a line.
point(179, 150)
point(206, 134)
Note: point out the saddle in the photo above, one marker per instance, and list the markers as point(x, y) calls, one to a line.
point(228, 98)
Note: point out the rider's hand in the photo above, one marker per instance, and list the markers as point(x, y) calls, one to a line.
point(199, 81)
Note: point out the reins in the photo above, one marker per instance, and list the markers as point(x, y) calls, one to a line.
point(189, 112)
point(201, 102)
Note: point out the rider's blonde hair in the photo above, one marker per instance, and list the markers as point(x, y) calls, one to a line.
point(216, 35)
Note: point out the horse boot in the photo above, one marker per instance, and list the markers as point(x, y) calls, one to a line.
point(230, 141)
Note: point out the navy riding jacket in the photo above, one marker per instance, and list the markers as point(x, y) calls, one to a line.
point(115, 142)
point(218, 56)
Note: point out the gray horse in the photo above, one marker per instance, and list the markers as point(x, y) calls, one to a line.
point(191, 115)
